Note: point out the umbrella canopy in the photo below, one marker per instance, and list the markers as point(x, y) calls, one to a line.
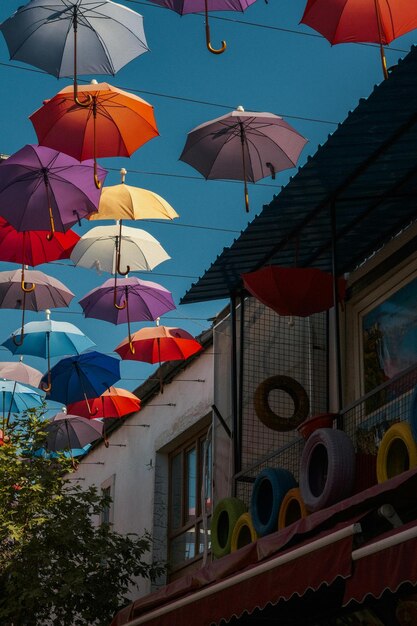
point(20, 372)
point(373, 21)
point(16, 398)
point(300, 291)
point(198, 6)
point(68, 453)
point(66, 432)
point(66, 37)
point(114, 402)
point(243, 146)
point(87, 375)
point(43, 189)
point(155, 344)
point(99, 249)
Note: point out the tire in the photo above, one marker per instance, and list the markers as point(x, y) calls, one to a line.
point(225, 516)
point(413, 414)
point(292, 508)
point(294, 390)
point(327, 470)
point(397, 452)
point(269, 490)
point(243, 533)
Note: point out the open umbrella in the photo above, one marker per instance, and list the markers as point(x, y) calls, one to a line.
point(373, 21)
point(32, 247)
point(100, 247)
point(49, 293)
point(132, 300)
point(68, 432)
point(16, 398)
point(198, 6)
point(243, 145)
point(114, 402)
point(86, 375)
point(155, 344)
point(49, 339)
point(20, 372)
point(300, 291)
point(70, 37)
point(114, 123)
point(43, 189)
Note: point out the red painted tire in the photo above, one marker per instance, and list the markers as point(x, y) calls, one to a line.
point(292, 508)
point(327, 471)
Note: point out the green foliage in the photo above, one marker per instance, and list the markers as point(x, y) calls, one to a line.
point(56, 565)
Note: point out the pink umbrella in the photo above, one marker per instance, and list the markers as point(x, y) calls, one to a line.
point(20, 372)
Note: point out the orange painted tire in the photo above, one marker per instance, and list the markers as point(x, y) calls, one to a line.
point(397, 452)
point(292, 508)
point(243, 532)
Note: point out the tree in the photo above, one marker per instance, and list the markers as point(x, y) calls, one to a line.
point(56, 565)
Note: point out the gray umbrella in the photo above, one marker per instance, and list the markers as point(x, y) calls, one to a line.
point(243, 145)
point(65, 432)
point(63, 37)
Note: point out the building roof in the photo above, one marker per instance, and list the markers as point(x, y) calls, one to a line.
point(367, 169)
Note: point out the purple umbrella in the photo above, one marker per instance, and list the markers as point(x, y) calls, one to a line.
point(243, 146)
point(128, 300)
point(68, 432)
point(43, 189)
point(198, 6)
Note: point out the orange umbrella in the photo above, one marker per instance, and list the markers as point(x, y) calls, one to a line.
point(114, 402)
point(114, 123)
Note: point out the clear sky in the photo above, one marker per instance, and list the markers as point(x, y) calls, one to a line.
point(271, 64)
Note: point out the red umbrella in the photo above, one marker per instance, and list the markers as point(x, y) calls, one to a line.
point(32, 247)
point(114, 402)
point(299, 291)
point(373, 21)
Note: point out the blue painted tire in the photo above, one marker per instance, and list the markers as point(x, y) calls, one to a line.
point(327, 471)
point(269, 490)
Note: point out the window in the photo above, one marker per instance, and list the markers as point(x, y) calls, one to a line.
point(190, 472)
point(107, 489)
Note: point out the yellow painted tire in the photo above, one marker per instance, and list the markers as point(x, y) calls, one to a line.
point(292, 508)
point(243, 533)
point(397, 452)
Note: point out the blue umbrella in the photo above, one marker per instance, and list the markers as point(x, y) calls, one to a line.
point(68, 454)
point(85, 376)
point(16, 398)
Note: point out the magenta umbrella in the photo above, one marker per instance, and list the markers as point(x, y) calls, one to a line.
point(243, 145)
point(128, 300)
point(43, 189)
point(199, 6)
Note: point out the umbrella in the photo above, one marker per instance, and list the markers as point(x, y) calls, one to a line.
point(198, 6)
point(132, 300)
point(31, 248)
point(49, 293)
point(114, 402)
point(68, 454)
point(49, 339)
point(16, 398)
point(85, 376)
point(155, 344)
point(114, 123)
point(99, 249)
point(67, 37)
point(69, 432)
point(43, 189)
point(299, 291)
point(20, 372)
point(243, 145)
point(371, 21)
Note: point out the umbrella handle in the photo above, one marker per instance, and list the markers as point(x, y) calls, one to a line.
point(208, 42)
point(22, 331)
point(48, 386)
point(131, 346)
point(50, 235)
point(97, 182)
point(23, 283)
point(119, 253)
point(119, 271)
point(88, 101)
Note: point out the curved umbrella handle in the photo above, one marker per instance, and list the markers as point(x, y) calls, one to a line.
point(47, 387)
point(81, 103)
point(89, 99)
point(119, 271)
point(119, 307)
point(23, 283)
point(97, 182)
point(208, 42)
point(119, 253)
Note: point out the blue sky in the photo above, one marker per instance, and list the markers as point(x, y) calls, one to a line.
point(271, 64)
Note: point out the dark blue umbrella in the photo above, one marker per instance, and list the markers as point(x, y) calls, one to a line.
point(81, 376)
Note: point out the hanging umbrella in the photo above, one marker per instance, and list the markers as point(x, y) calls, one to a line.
point(101, 249)
point(43, 189)
point(49, 293)
point(114, 123)
point(68, 454)
point(68, 432)
point(32, 247)
point(20, 372)
point(155, 344)
point(367, 21)
point(300, 291)
point(87, 375)
point(131, 300)
point(16, 398)
point(114, 402)
point(243, 146)
point(199, 6)
point(71, 37)
point(49, 339)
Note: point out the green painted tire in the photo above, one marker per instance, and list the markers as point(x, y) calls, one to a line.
point(225, 516)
